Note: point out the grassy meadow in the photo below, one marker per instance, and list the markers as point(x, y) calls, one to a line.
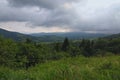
point(78, 68)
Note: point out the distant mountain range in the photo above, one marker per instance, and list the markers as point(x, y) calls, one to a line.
point(20, 37)
point(50, 37)
point(72, 35)
point(13, 35)
point(113, 36)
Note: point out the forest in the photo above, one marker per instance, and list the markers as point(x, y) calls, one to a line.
point(28, 54)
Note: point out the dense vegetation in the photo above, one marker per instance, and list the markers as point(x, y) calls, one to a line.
point(79, 68)
point(21, 58)
point(26, 54)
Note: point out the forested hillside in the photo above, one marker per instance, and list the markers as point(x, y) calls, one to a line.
point(28, 53)
point(81, 60)
point(14, 35)
point(113, 36)
point(21, 37)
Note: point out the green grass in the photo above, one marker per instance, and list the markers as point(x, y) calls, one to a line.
point(79, 68)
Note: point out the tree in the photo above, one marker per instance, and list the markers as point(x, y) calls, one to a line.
point(8, 50)
point(65, 44)
point(74, 51)
point(57, 46)
point(87, 47)
point(82, 43)
point(32, 54)
point(28, 40)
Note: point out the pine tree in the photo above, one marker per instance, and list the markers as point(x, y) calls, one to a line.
point(65, 44)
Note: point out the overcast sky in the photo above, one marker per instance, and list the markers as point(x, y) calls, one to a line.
point(33, 16)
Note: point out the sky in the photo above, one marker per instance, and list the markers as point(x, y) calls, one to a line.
point(35, 16)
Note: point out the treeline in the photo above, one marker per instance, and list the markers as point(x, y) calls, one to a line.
point(28, 53)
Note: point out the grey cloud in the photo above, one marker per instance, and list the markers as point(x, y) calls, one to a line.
point(107, 22)
point(47, 13)
point(20, 14)
point(61, 17)
point(44, 17)
point(40, 3)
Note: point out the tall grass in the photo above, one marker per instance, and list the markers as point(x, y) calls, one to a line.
point(79, 68)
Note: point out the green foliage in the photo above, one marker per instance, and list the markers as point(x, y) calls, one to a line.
point(74, 51)
point(79, 68)
point(65, 45)
point(87, 48)
point(57, 46)
point(8, 50)
point(30, 60)
point(29, 53)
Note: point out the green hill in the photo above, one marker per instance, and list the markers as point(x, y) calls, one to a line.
point(14, 35)
point(20, 37)
point(79, 68)
point(113, 36)
point(48, 37)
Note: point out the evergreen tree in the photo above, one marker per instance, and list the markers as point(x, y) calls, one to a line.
point(65, 44)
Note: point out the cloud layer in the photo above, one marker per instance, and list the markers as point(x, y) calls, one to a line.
point(72, 15)
point(40, 3)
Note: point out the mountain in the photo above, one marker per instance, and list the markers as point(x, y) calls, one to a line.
point(72, 35)
point(113, 36)
point(14, 35)
point(49, 37)
point(20, 37)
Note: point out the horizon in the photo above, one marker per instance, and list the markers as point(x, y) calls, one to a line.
point(58, 32)
point(44, 16)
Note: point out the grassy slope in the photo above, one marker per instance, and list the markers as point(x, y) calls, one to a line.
point(80, 68)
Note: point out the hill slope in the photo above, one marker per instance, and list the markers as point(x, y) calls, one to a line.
point(19, 36)
point(14, 35)
point(113, 36)
point(52, 37)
